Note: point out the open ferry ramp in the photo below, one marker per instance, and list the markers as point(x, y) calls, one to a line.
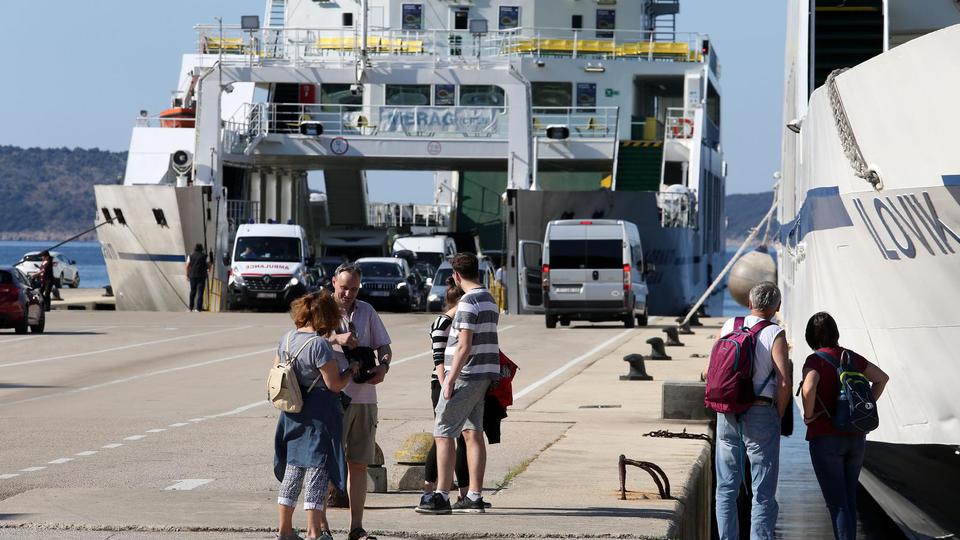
point(154, 425)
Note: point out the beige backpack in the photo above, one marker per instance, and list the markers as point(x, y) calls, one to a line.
point(283, 388)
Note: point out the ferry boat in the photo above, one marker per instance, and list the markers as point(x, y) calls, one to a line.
point(870, 207)
point(526, 110)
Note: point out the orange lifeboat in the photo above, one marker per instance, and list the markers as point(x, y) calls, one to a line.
point(178, 117)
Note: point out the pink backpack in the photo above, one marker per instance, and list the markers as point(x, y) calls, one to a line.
point(730, 374)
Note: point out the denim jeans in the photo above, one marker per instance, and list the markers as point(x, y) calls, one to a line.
point(836, 461)
point(759, 430)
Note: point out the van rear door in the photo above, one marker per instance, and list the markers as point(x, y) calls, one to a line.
point(568, 263)
point(604, 247)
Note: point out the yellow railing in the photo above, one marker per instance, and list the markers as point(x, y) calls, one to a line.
point(375, 44)
point(660, 49)
point(213, 295)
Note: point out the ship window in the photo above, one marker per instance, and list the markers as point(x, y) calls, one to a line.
point(576, 22)
point(509, 17)
point(552, 94)
point(461, 19)
point(158, 215)
point(118, 213)
point(106, 214)
point(339, 94)
point(347, 20)
point(713, 104)
point(407, 94)
point(481, 96)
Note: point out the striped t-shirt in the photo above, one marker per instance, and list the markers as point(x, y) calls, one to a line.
point(477, 311)
point(439, 334)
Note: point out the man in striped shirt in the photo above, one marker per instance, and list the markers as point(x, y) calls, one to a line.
point(471, 363)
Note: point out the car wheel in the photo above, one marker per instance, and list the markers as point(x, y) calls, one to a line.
point(551, 321)
point(629, 321)
point(41, 324)
point(642, 319)
point(22, 327)
point(76, 281)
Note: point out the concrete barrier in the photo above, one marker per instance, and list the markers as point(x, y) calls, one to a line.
point(683, 400)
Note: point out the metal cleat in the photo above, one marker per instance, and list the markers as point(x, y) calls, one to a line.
point(659, 352)
point(673, 339)
point(638, 371)
point(684, 329)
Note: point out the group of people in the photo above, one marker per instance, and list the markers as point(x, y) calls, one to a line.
point(332, 439)
point(752, 438)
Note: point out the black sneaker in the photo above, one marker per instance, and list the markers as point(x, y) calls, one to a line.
point(436, 504)
point(465, 506)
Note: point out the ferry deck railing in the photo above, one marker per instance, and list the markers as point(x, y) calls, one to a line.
point(335, 44)
point(400, 215)
point(679, 123)
point(402, 121)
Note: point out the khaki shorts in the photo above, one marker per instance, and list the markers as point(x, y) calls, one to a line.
point(360, 432)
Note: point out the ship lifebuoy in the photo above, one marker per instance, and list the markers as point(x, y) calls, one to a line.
point(683, 128)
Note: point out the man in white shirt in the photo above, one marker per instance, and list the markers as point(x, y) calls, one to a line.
point(361, 327)
point(756, 432)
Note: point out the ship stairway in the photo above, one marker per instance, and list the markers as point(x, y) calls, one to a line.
point(845, 33)
point(639, 166)
point(661, 18)
point(346, 190)
point(276, 17)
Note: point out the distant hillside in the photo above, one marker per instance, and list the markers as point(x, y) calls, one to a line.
point(47, 193)
point(744, 211)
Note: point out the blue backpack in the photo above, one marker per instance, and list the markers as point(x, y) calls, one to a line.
point(856, 409)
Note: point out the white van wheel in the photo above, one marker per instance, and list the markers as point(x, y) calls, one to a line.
point(551, 321)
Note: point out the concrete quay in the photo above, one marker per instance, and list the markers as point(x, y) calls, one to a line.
point(84, 299)
point(111, 410)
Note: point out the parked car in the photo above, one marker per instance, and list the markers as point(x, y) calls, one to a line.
point(64, 270)
point(389, 281)
point(438, 290)
point(323, 270)
point(21, 305)
point(593, 270)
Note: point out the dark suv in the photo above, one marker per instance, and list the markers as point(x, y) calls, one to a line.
point(389, 281)
point(21, 305)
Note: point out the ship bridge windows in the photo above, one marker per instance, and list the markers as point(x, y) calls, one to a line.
point(551, 94)
point(340, 94)
point(407, 94)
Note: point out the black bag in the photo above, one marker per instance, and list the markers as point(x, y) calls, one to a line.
point(367, 359)
point(856, 410)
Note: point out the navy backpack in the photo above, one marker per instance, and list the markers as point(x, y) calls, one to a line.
point(856, 409)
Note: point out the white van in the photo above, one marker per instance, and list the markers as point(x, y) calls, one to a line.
point(593, 270)
point(434, 249)
point(269, 265)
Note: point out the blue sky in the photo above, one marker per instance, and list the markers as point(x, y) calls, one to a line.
point(77, 73)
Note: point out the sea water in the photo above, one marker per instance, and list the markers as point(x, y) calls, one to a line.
point(89, 258)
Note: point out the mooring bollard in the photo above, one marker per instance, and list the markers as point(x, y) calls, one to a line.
point(376, 473)
point(673, 337)
point(695, 320)
point(658, 351)
point(684, 329)
point(408, 473)
point(638, 372)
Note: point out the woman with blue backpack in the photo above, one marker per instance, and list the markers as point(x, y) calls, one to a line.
point(840, 389)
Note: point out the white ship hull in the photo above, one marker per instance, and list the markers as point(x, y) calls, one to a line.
point(885, 262)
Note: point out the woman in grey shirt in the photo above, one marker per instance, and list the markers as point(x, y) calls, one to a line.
point(308, 445)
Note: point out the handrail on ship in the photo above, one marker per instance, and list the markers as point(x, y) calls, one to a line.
point(402, 121)
point(309, 45)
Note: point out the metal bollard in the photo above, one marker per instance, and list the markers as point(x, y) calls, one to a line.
point(638, 372)
point(695, 320)
point(673, 338)
point(684, 329)
point(659, 352)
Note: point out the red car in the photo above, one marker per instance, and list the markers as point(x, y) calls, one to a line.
point(21, 305)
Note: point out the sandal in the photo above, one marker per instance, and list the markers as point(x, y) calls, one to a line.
point(360, 534)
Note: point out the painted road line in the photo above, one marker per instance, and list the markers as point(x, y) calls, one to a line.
point(179, 424)
point(8, 476)
point(239, 410)
point(158, 430)
point(112, 446)
point(137, 377)
point(197, 419)
point(428, 353)
point(32, 469)
point(122, 347)
point(556, 373)
point(60, 461)
point(86, 453)
point(135, 437)
point(188, 484)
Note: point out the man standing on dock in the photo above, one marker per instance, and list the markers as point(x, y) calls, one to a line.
point(197, 268)
point(755, 433)
point(471, 364)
